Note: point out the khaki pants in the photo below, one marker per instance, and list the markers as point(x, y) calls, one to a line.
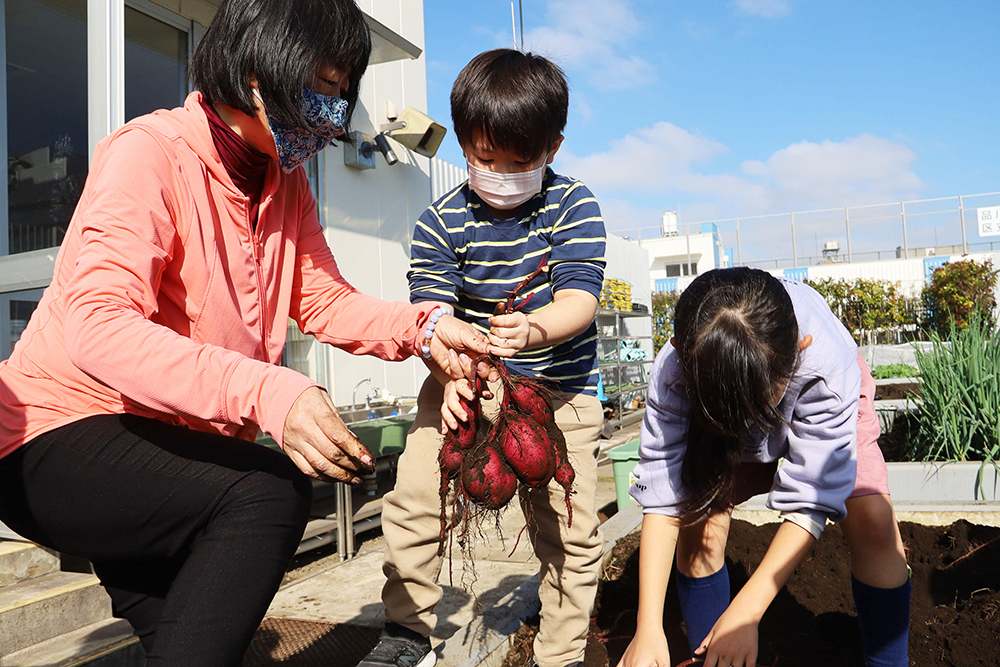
point(570, 557)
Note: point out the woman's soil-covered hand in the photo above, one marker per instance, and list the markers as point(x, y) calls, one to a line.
point(732, 641)
point(451, 333)
point(320, 444)
point(647, 649)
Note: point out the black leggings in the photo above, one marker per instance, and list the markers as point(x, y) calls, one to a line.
point(189, 532)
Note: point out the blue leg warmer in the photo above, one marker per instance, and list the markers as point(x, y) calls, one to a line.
point(703, 601)
point(884, 614)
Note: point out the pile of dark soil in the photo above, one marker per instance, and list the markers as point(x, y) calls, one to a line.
point(899, 388)
point(955, 615)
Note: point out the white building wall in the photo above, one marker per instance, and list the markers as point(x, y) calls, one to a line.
point(698, 249)
point(370, 214)
point(908, 273)
point(629, 261)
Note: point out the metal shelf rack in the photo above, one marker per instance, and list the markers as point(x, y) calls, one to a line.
point(624, 368)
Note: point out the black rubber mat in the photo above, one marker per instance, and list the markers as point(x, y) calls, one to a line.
point(292, 642)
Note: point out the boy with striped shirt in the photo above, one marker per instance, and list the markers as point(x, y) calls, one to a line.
point(470, 249)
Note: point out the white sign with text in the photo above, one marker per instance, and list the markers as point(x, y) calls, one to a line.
point(989, 221)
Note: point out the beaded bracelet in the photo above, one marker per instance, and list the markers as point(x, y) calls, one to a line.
point(436, 315)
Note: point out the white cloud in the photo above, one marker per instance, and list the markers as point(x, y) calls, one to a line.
point(651, 158)
point(657, 165)
point(590, 35)
point(768, 9)
point(860, 170)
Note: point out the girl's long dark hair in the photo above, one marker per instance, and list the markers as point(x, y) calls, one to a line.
point(737, 340)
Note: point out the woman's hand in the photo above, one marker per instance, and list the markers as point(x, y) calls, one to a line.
point(451, 333)
point(647, 649)
point(318, 442)
point(509, 333)
point(732, 641)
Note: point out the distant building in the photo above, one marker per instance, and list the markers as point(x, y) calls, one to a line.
point(674, 258)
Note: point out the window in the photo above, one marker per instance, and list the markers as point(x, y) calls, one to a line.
point(17, 308)
point(683, 269)
point(156, 56)
point(47, 111)
point(44, 125)
point(46, 119)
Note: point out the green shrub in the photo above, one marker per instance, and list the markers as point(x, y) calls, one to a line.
point(894, 371)
point(866, 306)
point(959, 416)
point(663, 318)
point(957, 292)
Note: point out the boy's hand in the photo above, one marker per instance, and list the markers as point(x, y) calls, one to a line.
point(451, 406)
point(509, 334)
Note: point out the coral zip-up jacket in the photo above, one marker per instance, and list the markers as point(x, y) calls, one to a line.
point(166, 303)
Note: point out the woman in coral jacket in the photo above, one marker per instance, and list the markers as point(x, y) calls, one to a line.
point(129, 406)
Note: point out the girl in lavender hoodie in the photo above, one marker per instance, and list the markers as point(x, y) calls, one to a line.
point(759, 372)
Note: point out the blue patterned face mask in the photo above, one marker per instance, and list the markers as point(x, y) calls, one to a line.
point(326, 116)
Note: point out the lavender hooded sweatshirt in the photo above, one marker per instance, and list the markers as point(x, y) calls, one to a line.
point(817, 442)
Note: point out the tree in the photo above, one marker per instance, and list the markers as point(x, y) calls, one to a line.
point(663, 318)
point(865, 306)
point(959, 291)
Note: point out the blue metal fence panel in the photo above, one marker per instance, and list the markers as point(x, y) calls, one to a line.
point(666, 285)
point(799, 274)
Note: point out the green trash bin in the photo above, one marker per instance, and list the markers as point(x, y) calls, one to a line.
point(623, 460)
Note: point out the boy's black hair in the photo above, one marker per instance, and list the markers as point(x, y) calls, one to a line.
point(516, 101)
point(280, 42)
point(736, 337)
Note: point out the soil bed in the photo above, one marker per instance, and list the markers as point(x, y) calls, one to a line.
point(898, 389)
point(955, 613)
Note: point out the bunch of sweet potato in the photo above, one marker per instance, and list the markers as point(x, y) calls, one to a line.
point(483, 462)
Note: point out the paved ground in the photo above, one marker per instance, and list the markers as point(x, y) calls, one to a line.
point(321, 588)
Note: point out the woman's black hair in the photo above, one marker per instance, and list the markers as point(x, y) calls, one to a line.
point(516, 101)
point(280, 42)
point(737, 340)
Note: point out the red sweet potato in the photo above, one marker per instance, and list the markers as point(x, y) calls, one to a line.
point(528, 450)
point(564, 474)
point(529, 401)
point(487, 480)
point(466, 432)
point(450, 457)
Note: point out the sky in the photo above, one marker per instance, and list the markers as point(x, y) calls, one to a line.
point(723, 108)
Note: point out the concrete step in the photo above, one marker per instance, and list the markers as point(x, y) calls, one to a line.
point(39, 609)
point(20, 561)
point(108, 643)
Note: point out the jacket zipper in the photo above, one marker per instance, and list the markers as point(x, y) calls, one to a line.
point(258, 270)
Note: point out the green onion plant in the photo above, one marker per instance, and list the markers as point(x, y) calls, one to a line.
point(959, 410)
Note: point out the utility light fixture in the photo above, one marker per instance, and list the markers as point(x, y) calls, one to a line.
point(412, 129)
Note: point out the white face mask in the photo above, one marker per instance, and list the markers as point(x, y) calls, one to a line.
point(506, 191)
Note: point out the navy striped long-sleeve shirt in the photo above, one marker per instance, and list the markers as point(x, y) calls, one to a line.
point(460, 254)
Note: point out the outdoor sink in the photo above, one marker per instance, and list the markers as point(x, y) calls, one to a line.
point(361, 414)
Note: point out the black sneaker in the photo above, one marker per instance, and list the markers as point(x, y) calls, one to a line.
point(399, 646)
